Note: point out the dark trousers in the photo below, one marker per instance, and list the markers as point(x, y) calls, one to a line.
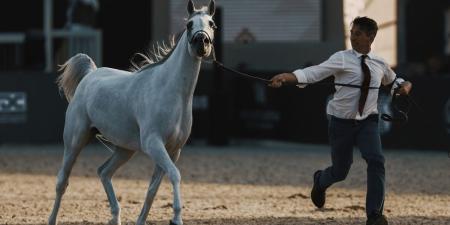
point(344, 134)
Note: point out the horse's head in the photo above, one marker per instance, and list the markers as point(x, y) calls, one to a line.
point(200, 29)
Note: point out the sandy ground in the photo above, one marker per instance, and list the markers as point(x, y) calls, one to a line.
point(252, 183)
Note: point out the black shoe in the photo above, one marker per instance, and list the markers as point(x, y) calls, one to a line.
point(377, 220)
point(317, 194)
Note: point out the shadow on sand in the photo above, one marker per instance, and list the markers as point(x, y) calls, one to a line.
point(282, 221)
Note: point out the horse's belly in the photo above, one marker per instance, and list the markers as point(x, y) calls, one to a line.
point(125, 135)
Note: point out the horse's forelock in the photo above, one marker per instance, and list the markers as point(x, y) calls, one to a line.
point(203, 10)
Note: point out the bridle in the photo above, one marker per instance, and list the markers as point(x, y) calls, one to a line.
point(207, 36)
point(401, 104)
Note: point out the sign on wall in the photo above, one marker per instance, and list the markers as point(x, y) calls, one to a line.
point(13, 107)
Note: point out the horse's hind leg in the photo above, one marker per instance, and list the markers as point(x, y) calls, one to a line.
point(105, 172)
point(76, 136)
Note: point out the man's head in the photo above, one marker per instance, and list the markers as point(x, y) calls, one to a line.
point(363, 33)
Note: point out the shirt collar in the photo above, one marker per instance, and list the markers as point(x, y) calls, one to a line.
point(369, 55)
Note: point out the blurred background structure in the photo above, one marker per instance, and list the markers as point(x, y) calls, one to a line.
point(261, 37)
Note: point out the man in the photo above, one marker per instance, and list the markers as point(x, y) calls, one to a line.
point(353, 112)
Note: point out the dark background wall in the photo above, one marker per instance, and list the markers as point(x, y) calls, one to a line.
point(425, 35)
point(252, 110)
point(126, 30)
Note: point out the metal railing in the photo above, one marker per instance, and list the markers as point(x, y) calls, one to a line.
point(11, 45)
point(88, 41)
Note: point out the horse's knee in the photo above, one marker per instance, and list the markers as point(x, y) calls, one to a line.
point(174, 175)
point(61, 185)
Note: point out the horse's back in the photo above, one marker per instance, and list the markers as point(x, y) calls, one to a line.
point(106, 72)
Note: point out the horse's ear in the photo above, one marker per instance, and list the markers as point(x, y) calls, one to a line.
point(190, 7)
point(212, 7)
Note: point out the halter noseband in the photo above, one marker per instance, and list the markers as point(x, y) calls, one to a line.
point(200, 31)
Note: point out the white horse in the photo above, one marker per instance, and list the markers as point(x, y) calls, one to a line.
point(148, 110)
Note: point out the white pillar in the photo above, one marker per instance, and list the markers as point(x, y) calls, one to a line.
point(48, 20)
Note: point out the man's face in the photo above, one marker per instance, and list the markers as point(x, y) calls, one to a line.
point(360, 39)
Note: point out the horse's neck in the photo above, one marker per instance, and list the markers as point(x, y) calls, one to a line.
point(182, 69)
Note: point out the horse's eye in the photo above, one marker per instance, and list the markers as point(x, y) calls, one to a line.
point(212, 25)
point(189, 25)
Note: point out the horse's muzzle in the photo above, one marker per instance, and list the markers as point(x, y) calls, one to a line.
point(201, 42)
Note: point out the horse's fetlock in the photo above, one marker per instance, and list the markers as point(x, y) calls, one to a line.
point(116, 211)
point(177, 209)
point(61, 187)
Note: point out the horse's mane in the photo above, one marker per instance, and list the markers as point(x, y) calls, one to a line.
point(159, 52)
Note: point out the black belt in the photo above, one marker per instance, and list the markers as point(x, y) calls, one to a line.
point(371, 117)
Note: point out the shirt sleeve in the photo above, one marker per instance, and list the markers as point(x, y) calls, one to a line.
point(391, 78)
point(319, 72)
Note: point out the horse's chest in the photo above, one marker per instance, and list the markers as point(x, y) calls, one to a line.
point(177, 138)
point(179, 132)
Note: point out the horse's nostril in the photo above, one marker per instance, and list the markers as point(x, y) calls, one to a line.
point(202, 39)
point(201, 52)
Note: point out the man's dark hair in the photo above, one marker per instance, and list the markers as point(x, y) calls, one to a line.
point(366, 24)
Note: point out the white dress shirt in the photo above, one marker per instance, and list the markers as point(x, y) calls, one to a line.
point(345, 66)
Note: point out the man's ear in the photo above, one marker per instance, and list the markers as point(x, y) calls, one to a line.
point(372, 37)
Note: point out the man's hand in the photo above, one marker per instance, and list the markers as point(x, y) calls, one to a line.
point(282, 78)
point(405, 88)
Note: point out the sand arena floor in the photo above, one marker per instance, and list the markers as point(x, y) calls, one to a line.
point(252, 183)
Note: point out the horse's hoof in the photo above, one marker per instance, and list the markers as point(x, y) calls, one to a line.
point(52, 222)
point(172, 223)
point(114, 222)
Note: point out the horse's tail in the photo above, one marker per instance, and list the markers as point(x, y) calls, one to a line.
point(73, 72)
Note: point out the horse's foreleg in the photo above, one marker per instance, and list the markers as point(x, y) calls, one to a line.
point(151, 193)
point(105, 172)
point(175, 178)
point(157, 151)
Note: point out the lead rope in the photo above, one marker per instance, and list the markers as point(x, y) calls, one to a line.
point(386, 117)
point(214, 61)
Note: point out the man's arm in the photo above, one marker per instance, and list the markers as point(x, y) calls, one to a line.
point(311, 74)
point(282, 78)
point(405, 88)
